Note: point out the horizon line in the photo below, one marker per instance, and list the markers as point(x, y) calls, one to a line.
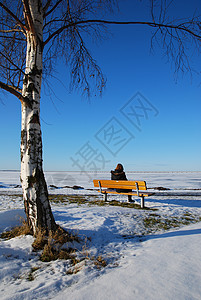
point(108, 171)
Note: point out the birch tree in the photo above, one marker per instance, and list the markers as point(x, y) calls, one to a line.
point(33, 35)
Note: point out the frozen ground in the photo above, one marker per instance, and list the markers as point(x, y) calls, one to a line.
point(141, 263)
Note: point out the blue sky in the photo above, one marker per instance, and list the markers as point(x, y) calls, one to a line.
point(79, 134)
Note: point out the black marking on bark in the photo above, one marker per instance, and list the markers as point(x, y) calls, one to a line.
point(35, 71)
point(35, 119)
point(23, 136)
point(30, 88)
point(25, 80)
point(23, 139)
point(27, 102)
point(32, 180)
point(34, 146)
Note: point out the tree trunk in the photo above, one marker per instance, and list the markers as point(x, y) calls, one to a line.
point(35, 193)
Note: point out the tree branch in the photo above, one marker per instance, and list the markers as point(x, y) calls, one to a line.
point(151, 24)
point(14, 17)
point(16, 92)
point(10, 31)
point(12, 63)
point(29, 20)
point(11, 37)
point(45, 8)
point(52, 9)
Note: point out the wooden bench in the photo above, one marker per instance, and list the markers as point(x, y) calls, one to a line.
point(110, 186)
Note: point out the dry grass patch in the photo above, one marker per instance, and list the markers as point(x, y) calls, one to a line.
point(100, 262)
point(57, 245)
point(92, 200)
point(16, 231)
point(154, 222)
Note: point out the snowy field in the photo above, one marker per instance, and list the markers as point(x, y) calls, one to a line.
point(143, 262)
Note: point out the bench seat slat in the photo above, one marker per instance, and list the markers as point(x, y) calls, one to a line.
point(121, 184)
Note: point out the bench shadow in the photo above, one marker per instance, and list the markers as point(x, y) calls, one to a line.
point(176, 201)
point(177, 233)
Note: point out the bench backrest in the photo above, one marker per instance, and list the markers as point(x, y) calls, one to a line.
point(121, 184)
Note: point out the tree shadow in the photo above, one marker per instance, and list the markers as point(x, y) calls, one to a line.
point(104, 239)
point(105, 233)
point(11, 218)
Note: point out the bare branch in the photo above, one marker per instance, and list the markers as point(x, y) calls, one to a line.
point(11, 37)
point(14, 17)
point(151, 24)
point(16, 92)
point(84, 69)
point(45, 8)
point(12, 63)
point(10, 31)
point(52, 9)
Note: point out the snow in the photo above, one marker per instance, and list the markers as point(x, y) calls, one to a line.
point(140, 264)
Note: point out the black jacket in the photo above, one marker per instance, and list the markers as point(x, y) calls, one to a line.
point(118, 175)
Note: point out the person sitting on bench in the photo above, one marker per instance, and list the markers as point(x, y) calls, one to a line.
point(119, 174)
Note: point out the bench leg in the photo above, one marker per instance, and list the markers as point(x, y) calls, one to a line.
point(142, 201)
point(105, 196)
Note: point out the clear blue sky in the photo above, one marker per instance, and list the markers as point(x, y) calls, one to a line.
point(95, 135)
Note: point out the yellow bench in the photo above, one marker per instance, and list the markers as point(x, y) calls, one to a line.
point(110, 186)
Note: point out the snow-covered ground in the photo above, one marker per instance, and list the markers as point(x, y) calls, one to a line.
point(140, 264)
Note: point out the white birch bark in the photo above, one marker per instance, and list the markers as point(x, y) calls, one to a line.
point(34, 186)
